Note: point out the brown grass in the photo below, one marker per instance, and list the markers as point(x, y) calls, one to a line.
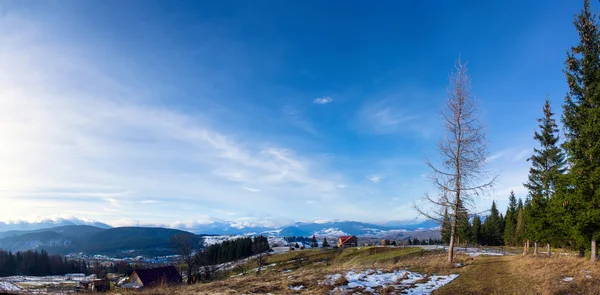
point(478, 275)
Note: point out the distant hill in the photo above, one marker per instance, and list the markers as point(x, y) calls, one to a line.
point(61, 240)
point(117, 242)
point(48, 223)
point(125, 241)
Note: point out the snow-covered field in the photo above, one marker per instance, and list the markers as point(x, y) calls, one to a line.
point(9, 287)
point(42, 284)
point(407, 282)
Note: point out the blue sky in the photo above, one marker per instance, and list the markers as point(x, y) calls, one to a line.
point(260, 111)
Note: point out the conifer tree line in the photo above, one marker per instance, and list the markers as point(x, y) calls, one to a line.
point(233, 250)
point(34, 263)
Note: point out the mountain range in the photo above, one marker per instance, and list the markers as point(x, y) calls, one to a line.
point(43, 223)
point(63, 236)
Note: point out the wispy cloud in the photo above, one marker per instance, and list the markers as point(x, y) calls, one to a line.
point(374, 178)
point(386, 117)
point(295, 116)
point(73, 133)
point(250, 189)
point(323, 100)
point(523, 154)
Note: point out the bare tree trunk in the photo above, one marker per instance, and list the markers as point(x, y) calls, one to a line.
point(548, 247)
point(524, 248)
point(535, 249)
point(593, 254)
point(527, 246)
point(453, 234)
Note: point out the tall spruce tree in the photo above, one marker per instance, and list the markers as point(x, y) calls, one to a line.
point(446, 228)
point(581, 118)
point(476, 230)
point(520, 224)
point(492, 227)
point(547, 165)
point(510, 224)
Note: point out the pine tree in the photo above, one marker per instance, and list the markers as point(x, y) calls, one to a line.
point(463, 227)
point(325, 244)
point(445, 232)
point(314, 243)
point(581, 118)
point(520, 224)
point(547, 165)
point(511, 220)
point(476, 229)
point(493, 227)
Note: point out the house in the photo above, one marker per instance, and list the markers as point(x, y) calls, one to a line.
point(347, 241)
point(151, 277)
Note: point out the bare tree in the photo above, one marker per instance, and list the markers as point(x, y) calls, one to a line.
point(261, 259)
point(463, 152)
point(187, 246)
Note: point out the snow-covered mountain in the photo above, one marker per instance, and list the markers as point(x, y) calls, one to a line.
point(48, 223)
point(318, 228)
point(221, 227)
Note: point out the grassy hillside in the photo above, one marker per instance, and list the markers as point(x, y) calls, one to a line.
point(513, 274)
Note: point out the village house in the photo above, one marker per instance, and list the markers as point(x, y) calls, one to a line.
point(160, 276)
point(347, 241)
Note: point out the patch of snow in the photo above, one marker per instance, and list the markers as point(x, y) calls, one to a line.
point(296, 288)
point(567, 279)
point(408, 282)
point(9, 287)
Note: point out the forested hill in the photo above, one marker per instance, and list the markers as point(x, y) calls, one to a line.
point(119, 242)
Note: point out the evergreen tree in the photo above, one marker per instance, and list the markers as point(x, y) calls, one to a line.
point(510, 224)
point(325, 244)
point(581, 118)
point(476, 230)
point(463, 227)
point(520, 224)
point(547, 165)
point(493, 227)
point(446, 227)
point(314, 243)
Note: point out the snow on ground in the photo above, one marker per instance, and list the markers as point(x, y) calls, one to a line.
point(296, 288)
point(478, 253)
point(211, 240)
point(468, 250)
point(9, 287)
point(405, 281)
point(567, 279)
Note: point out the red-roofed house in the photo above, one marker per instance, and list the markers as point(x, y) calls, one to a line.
point(347, 241)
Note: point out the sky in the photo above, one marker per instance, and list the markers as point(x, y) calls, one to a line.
point(266, 112)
